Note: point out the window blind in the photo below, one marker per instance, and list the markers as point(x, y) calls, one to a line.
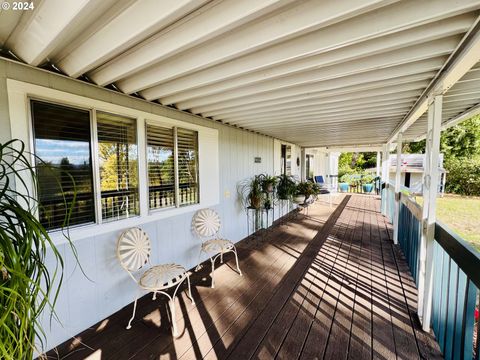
point(62, 140)
point(118, 162)
point(187, 144)
point(161, 166)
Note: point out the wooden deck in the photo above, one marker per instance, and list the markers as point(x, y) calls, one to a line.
point(327, 286)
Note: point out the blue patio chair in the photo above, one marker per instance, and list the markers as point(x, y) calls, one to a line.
point(319, 179)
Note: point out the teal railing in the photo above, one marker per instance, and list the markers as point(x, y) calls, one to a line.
point(410, 232)
point(455, 295)
point(456, 281)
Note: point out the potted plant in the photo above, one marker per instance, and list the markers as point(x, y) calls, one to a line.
point(344, 183)
point(367, 183)
point(268, 183)
point(27, 286)
point(255, 195)
point(286, 187)
point(250, 192)
point(304, 190)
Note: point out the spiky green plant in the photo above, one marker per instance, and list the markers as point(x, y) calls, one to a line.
point(27, 286)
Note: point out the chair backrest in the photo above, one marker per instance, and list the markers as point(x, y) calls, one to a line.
point(133, 249)
point(319, 179)
point(206, 223)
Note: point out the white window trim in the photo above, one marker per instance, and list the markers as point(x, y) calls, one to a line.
point(19, 94)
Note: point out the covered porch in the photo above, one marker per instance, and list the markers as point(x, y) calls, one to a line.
point(173, 104)
point(328, 285)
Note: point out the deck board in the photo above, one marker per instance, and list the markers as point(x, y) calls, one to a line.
point(330, 285)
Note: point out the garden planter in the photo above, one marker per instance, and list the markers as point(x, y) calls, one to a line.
point(367, 188)
point(299, 199)
point(343, 187)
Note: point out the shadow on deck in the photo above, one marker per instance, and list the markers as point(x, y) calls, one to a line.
point(328, 285)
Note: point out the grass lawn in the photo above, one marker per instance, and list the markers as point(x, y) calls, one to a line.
point(461, 214)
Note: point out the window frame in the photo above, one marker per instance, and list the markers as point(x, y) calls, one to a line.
point(19, 95)
point(93, 155)
point(175, 166)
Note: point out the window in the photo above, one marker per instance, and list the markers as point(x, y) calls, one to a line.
point(117, 154)
point(87, 161)
point(63, 149)
point(161, 167)
point(286, 159)
point(309, 166)
point(62, 140)
point(187, 141)
point(172, 156)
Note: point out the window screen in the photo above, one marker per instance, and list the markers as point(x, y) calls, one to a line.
point(62, 142)
point(161, 167)
point(117, 149)
point(187, 141)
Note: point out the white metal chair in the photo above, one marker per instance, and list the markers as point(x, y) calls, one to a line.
point(133, 252)
point(206, 224)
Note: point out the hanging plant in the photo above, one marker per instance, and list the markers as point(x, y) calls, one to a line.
point(268, 183)
point(27, 286)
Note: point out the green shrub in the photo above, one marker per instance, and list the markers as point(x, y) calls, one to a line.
point(463, 176)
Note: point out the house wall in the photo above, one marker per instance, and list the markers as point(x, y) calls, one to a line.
point(84, 301)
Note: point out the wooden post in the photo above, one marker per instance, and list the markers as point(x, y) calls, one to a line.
point(430, 188)
point(385, 175)
point(398, 175)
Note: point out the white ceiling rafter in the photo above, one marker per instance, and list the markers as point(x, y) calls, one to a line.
point(356, 79)
point(348, 92)
point(304, 18)
point(137, 22)
point(332, 103)
point(245, 70)
point(419, 52)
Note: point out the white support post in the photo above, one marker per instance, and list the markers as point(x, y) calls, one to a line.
point(430, 188)
point(385, 175)
point(398, 175)
point(378, 163)
point(327, 168)
point(303, 167)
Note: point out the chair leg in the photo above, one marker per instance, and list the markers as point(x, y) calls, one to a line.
point(129, 326)
point(190, 290)
point(212, 260)
point(198, 262)
point(174, 319)
point(236, 259)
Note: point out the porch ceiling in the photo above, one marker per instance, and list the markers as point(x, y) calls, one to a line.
point(316, 73)
point(464, 95)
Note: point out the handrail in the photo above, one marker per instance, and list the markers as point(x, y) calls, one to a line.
point(466, 257)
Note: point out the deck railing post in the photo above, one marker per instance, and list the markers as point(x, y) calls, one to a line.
point(398, 174)
point(385, 176)
point(430, 188)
